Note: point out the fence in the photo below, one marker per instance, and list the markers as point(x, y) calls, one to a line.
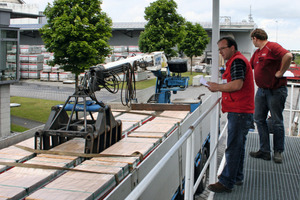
point(294, 111)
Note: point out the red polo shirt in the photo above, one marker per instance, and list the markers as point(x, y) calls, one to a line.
point(266, 62)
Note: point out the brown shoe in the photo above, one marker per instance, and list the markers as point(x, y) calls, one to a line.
point(239, 183)
point(277, 157)
point(260, 154)
point(218, 188)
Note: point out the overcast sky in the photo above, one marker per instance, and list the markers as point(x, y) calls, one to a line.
point(281, 19)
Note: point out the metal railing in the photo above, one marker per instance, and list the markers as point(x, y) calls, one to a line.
point(291, 110)
point(189, 176)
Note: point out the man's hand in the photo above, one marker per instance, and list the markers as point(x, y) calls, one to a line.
point(279, 74)
point(213, 87)
point(285, 64)
point(231, 86)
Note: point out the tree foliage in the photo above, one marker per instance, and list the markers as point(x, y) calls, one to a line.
point(77, 33)
point(162, 32)
point(194, 40)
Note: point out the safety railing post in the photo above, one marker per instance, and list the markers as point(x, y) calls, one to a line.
point(291, 110)
point(214, 71)
point(189, 170)
point(192, 165)
point(213, 143)
point(188, 175)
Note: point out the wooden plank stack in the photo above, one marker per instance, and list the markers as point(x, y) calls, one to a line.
point(15, 154)
point(100, 174)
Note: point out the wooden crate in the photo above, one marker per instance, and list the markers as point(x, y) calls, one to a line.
point(82, 185)
point(15, 154)
point(29, 179)
point(174, 114)
point(132, 146)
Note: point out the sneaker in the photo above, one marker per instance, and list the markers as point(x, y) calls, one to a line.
point(277, 157)
point(260, 154)
point(218, 188)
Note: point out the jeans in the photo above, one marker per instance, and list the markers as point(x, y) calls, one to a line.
point(270, 100)
point(238, 126)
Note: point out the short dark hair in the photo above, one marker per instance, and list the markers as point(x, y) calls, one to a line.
point(259, 34)
point(230, 42)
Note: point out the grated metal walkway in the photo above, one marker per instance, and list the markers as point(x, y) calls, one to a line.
point(266, 180)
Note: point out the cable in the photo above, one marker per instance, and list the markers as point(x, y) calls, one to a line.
point(96, 79)
point(130, 87)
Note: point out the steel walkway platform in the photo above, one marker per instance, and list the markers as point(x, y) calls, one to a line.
point(266, 180)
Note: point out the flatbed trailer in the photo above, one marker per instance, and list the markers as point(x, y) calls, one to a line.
point(112, 174)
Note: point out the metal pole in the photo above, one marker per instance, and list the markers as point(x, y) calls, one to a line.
point(188, 174)
point(192, 165)
point(214, 115)
point(291, 108)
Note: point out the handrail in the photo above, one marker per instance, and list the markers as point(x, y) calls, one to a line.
point(140, 188)
point(291, 108)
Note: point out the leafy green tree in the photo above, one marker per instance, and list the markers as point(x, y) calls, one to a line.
point(77, 33)
point(194, 40)
point(162, 32)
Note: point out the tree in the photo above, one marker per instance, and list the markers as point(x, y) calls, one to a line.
point(77, 33)
point(162, 32)
point(194, 41)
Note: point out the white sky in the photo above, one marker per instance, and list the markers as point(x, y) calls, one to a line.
point(280, 19)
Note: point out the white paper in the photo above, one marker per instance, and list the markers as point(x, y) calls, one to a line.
point(203, 81)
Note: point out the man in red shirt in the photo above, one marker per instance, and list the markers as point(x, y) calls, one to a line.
point(269, 61)
point(238, 101)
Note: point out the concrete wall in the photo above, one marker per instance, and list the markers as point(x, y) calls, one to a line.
point(23, 8)
point(124, 38)
point(30, 38)
point(243, 40)
point(5, 110)
point(245, 45)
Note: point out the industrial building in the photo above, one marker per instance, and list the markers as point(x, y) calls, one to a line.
point(27, 20)
point(126, 33)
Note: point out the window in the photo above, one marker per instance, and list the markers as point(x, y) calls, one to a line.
point(9, 61)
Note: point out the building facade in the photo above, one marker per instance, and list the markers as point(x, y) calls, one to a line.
point(9, 63)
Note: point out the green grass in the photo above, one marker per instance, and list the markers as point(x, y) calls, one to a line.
point(17, 128)
point(33, 109)
point(145, 84)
